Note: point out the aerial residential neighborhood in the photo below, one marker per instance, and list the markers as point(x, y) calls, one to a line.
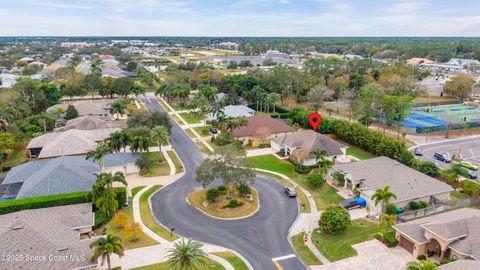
point(240, 135)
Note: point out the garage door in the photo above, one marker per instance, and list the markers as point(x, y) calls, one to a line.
point(406, 244)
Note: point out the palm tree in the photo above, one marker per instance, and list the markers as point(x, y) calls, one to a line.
point(320, 156)
point(105, 246)
point(139, 143)
point(107, 179)
point(107, 203)
point(98, 154)
point(187, 256)
point(118, 107)
point(383, 195)
point(387, 221)
point(115, 141)
point(422, 265)
point(160, 134)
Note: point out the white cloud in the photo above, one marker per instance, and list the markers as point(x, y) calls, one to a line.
point(251, 3)
point(62, 5)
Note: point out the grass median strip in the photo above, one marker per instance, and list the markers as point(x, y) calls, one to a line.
point(176, 161)
point(190, 133)
point(149, 220)
point(303, 251)
point(234, 260)
point(204, 148)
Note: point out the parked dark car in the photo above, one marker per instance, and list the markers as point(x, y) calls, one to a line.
point(213, 130)
point(443, 157)
point(472, 174)
point(290, 192)
point(418, 152)
point(351, 203)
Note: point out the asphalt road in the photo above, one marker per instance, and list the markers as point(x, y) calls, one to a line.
point(259, 238)
point(467, 149)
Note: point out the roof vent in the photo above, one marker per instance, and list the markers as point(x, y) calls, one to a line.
point(18, 227)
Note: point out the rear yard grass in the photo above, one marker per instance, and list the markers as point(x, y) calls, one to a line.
point(234, 260)
point(212, 265)
point(359, 153)
point(148, 218)
point(303, 251)
point(143, 241)
point(323, 196)
point(457, 195)
point(339, 246)
point(176, 161)
point(202, 131)
point(192, 118)
point(197, 198)
point(157, 168)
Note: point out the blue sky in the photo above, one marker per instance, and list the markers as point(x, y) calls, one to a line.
point(241, 17)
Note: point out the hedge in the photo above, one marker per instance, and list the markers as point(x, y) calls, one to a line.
point(55, 200)
point(43, 202)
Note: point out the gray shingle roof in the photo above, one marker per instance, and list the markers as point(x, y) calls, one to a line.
point(89, 122)
point(405, 182)
point(461, 265)
point(234, 111)
point(309, 140)
point(61, 175)
point(44, 232)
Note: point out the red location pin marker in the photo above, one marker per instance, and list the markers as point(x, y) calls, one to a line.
point(315, 120)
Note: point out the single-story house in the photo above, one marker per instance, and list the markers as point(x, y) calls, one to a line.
point(53, 238)
point(408, 184)
point(454, 234)
point(234, 111)
point(67, 143)
point(62, 175)
point(260, 129)
point(86, 107)
point(301, 145)
point(89, 122)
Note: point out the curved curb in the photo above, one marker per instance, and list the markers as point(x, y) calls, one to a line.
point(220, 218)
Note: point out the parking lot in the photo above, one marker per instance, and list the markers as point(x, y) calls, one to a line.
point(467, 149)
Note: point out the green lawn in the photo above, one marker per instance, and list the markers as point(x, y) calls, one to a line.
point(192, 118)
point(323, 196)
point(233, 259)
point(303, 251)
point(144, 240)
point(212, 265)
point(148, 218)
point(158, 168)
point(177, 119)
point(135, 190)
point(204, 148)
point(339, 246)
point(190, 134)
point(202, 131)
point(359, 153)
point(176, 161)
point(178, 107)
point(457, 195)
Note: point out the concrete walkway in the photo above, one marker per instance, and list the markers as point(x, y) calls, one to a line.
point(260, 152)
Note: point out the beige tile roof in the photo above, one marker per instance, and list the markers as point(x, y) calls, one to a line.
point(405, 182)
point(86, 107)
point(89, 122)
point(70, 142)
point(47, 232)
point(257, 122)
point(308, 140)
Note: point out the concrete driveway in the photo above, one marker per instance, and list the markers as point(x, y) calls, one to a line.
point(372, 255)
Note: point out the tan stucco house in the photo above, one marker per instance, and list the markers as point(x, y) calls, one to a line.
point(454, 234)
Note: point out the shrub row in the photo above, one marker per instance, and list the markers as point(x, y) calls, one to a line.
point(56, 200)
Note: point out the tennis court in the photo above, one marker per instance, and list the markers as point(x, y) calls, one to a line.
point(436, 118)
